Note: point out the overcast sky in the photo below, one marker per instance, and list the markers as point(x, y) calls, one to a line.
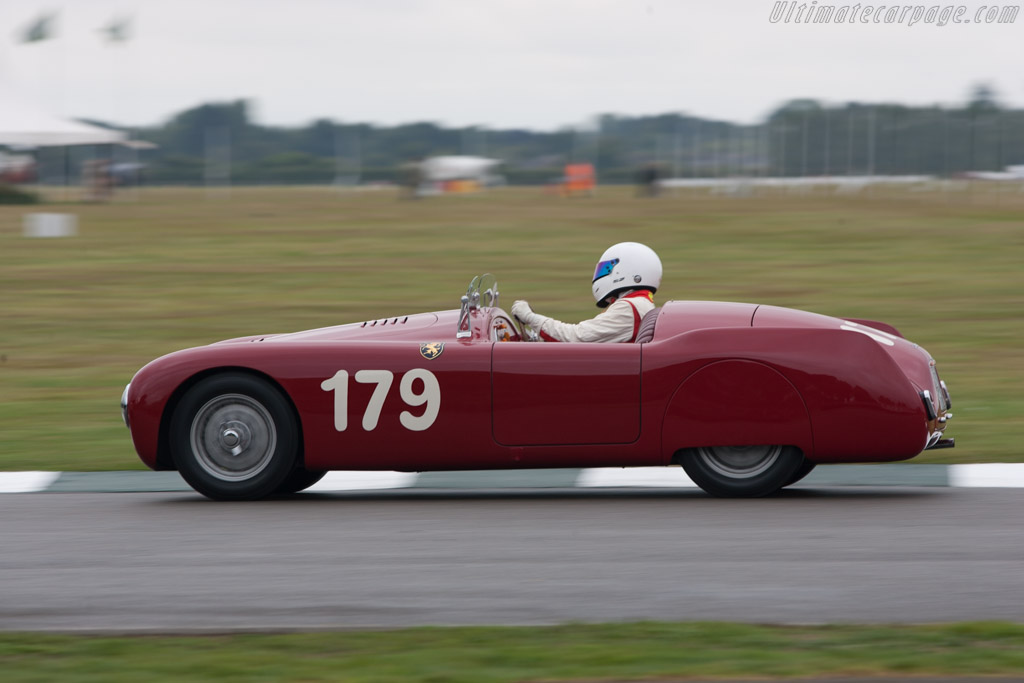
point(538, 64)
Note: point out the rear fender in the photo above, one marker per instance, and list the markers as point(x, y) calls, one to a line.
point(835, 394)
point(736, 403)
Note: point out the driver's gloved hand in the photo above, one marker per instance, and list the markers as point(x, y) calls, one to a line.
point(522, 311)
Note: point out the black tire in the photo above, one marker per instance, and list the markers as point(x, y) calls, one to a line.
point(234, 437)
point(299, 480)
point(742, 471)
point(805, 468)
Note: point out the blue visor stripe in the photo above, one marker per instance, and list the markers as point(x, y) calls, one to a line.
point(605, 268)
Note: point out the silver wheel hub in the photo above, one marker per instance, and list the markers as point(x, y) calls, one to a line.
point(740, 462)
point(233, 437)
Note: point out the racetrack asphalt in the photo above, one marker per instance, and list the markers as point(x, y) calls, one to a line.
point(999, 475)
point(168, 562)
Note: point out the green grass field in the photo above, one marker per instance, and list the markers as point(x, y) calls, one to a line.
point(573, 652)
point(164, 269)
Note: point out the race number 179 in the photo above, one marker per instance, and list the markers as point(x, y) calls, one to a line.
point(429, 395)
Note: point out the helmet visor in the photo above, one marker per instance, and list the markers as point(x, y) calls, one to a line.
point(605, 268)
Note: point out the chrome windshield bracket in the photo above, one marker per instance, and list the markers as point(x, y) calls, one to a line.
point(472, 301)
point(463, 331)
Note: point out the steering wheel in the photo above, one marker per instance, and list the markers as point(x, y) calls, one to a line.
point(526, 333)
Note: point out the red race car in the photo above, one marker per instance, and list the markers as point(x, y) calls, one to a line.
point(746, 398)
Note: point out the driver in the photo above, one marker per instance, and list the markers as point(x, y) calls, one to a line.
point(625, 280)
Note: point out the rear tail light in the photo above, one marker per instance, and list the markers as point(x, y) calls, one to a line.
point(929, 407)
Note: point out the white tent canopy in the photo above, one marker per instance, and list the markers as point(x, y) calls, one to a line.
point(25, 124)
point(458, 167)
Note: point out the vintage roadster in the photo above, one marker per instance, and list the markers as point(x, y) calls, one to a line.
point(746, 398)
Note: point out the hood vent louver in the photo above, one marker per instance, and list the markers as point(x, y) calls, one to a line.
point(385, 321)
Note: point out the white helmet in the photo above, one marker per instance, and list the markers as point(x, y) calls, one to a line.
point(627, 265)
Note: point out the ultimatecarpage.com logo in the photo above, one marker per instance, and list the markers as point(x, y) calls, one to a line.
point(790, 12)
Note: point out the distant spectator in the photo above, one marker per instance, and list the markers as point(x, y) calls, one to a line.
point(410, 177)
point(647, 180)
point(97, 180)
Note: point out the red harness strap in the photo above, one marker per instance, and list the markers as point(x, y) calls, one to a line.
point(636, 321)
point(636, 313)
point(547, 337)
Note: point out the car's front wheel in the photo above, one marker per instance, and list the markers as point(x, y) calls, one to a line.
point(234, 437)
point(299, 480)
point(741, 471)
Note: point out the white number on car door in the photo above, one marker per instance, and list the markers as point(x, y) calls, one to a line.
point(429, 395)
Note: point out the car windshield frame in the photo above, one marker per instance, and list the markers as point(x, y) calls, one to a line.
point(481, 293)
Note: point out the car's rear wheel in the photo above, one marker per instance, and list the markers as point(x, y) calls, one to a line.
point(299, 480)
point(234, 437)
point(805, 468)
point(741, 471)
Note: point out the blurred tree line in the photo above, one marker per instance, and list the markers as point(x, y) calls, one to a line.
point(800, 138)
point(805, 138)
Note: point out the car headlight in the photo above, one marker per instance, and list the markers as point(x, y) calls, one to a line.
point(124, 404)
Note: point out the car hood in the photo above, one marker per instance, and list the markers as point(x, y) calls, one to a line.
point(434, 326)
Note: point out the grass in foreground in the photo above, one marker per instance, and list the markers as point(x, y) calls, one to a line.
point(172, 268)
point(609, 652)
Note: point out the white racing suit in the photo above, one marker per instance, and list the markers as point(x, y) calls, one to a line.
point(620, 322)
